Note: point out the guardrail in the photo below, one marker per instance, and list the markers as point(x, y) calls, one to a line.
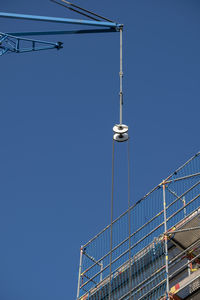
point(145, 257)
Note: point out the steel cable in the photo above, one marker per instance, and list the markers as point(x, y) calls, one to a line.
point(111, 223)
point(129, 219)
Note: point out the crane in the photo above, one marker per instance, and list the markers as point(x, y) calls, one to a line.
point(21, 42)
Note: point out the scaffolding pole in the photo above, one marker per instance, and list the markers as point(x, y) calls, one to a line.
point(79, 273)
point(165, 239)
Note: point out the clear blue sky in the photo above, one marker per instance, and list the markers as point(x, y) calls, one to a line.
point(57, 110)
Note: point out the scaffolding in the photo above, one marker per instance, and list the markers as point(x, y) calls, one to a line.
point(155, 245)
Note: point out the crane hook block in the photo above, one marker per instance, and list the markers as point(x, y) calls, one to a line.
point(120, 133)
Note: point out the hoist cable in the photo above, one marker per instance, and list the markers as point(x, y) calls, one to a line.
point(111, 221)
point(129, 220)
point(112, 190)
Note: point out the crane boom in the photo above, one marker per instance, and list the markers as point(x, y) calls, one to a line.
point(13, 44)
point(17, 42)
point(61, 20)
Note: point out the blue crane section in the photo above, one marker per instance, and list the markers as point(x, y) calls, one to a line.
point(13, 44)
point(17, 42)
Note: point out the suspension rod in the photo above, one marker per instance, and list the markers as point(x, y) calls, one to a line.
point(121, 77)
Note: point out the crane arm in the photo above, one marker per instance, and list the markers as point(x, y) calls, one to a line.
point(13, 44)
point(61, 20)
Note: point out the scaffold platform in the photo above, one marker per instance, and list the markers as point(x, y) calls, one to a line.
point(150, 263)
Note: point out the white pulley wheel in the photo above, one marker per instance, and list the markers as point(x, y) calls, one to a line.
point(120, 137)
point(121, 128)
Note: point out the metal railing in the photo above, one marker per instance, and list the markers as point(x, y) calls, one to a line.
point(152, 217)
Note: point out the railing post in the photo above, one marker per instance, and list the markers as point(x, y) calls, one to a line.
point(79, 273)
point(185, 214)
point(184, 210)
point(165, 239)
point(101, 274)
